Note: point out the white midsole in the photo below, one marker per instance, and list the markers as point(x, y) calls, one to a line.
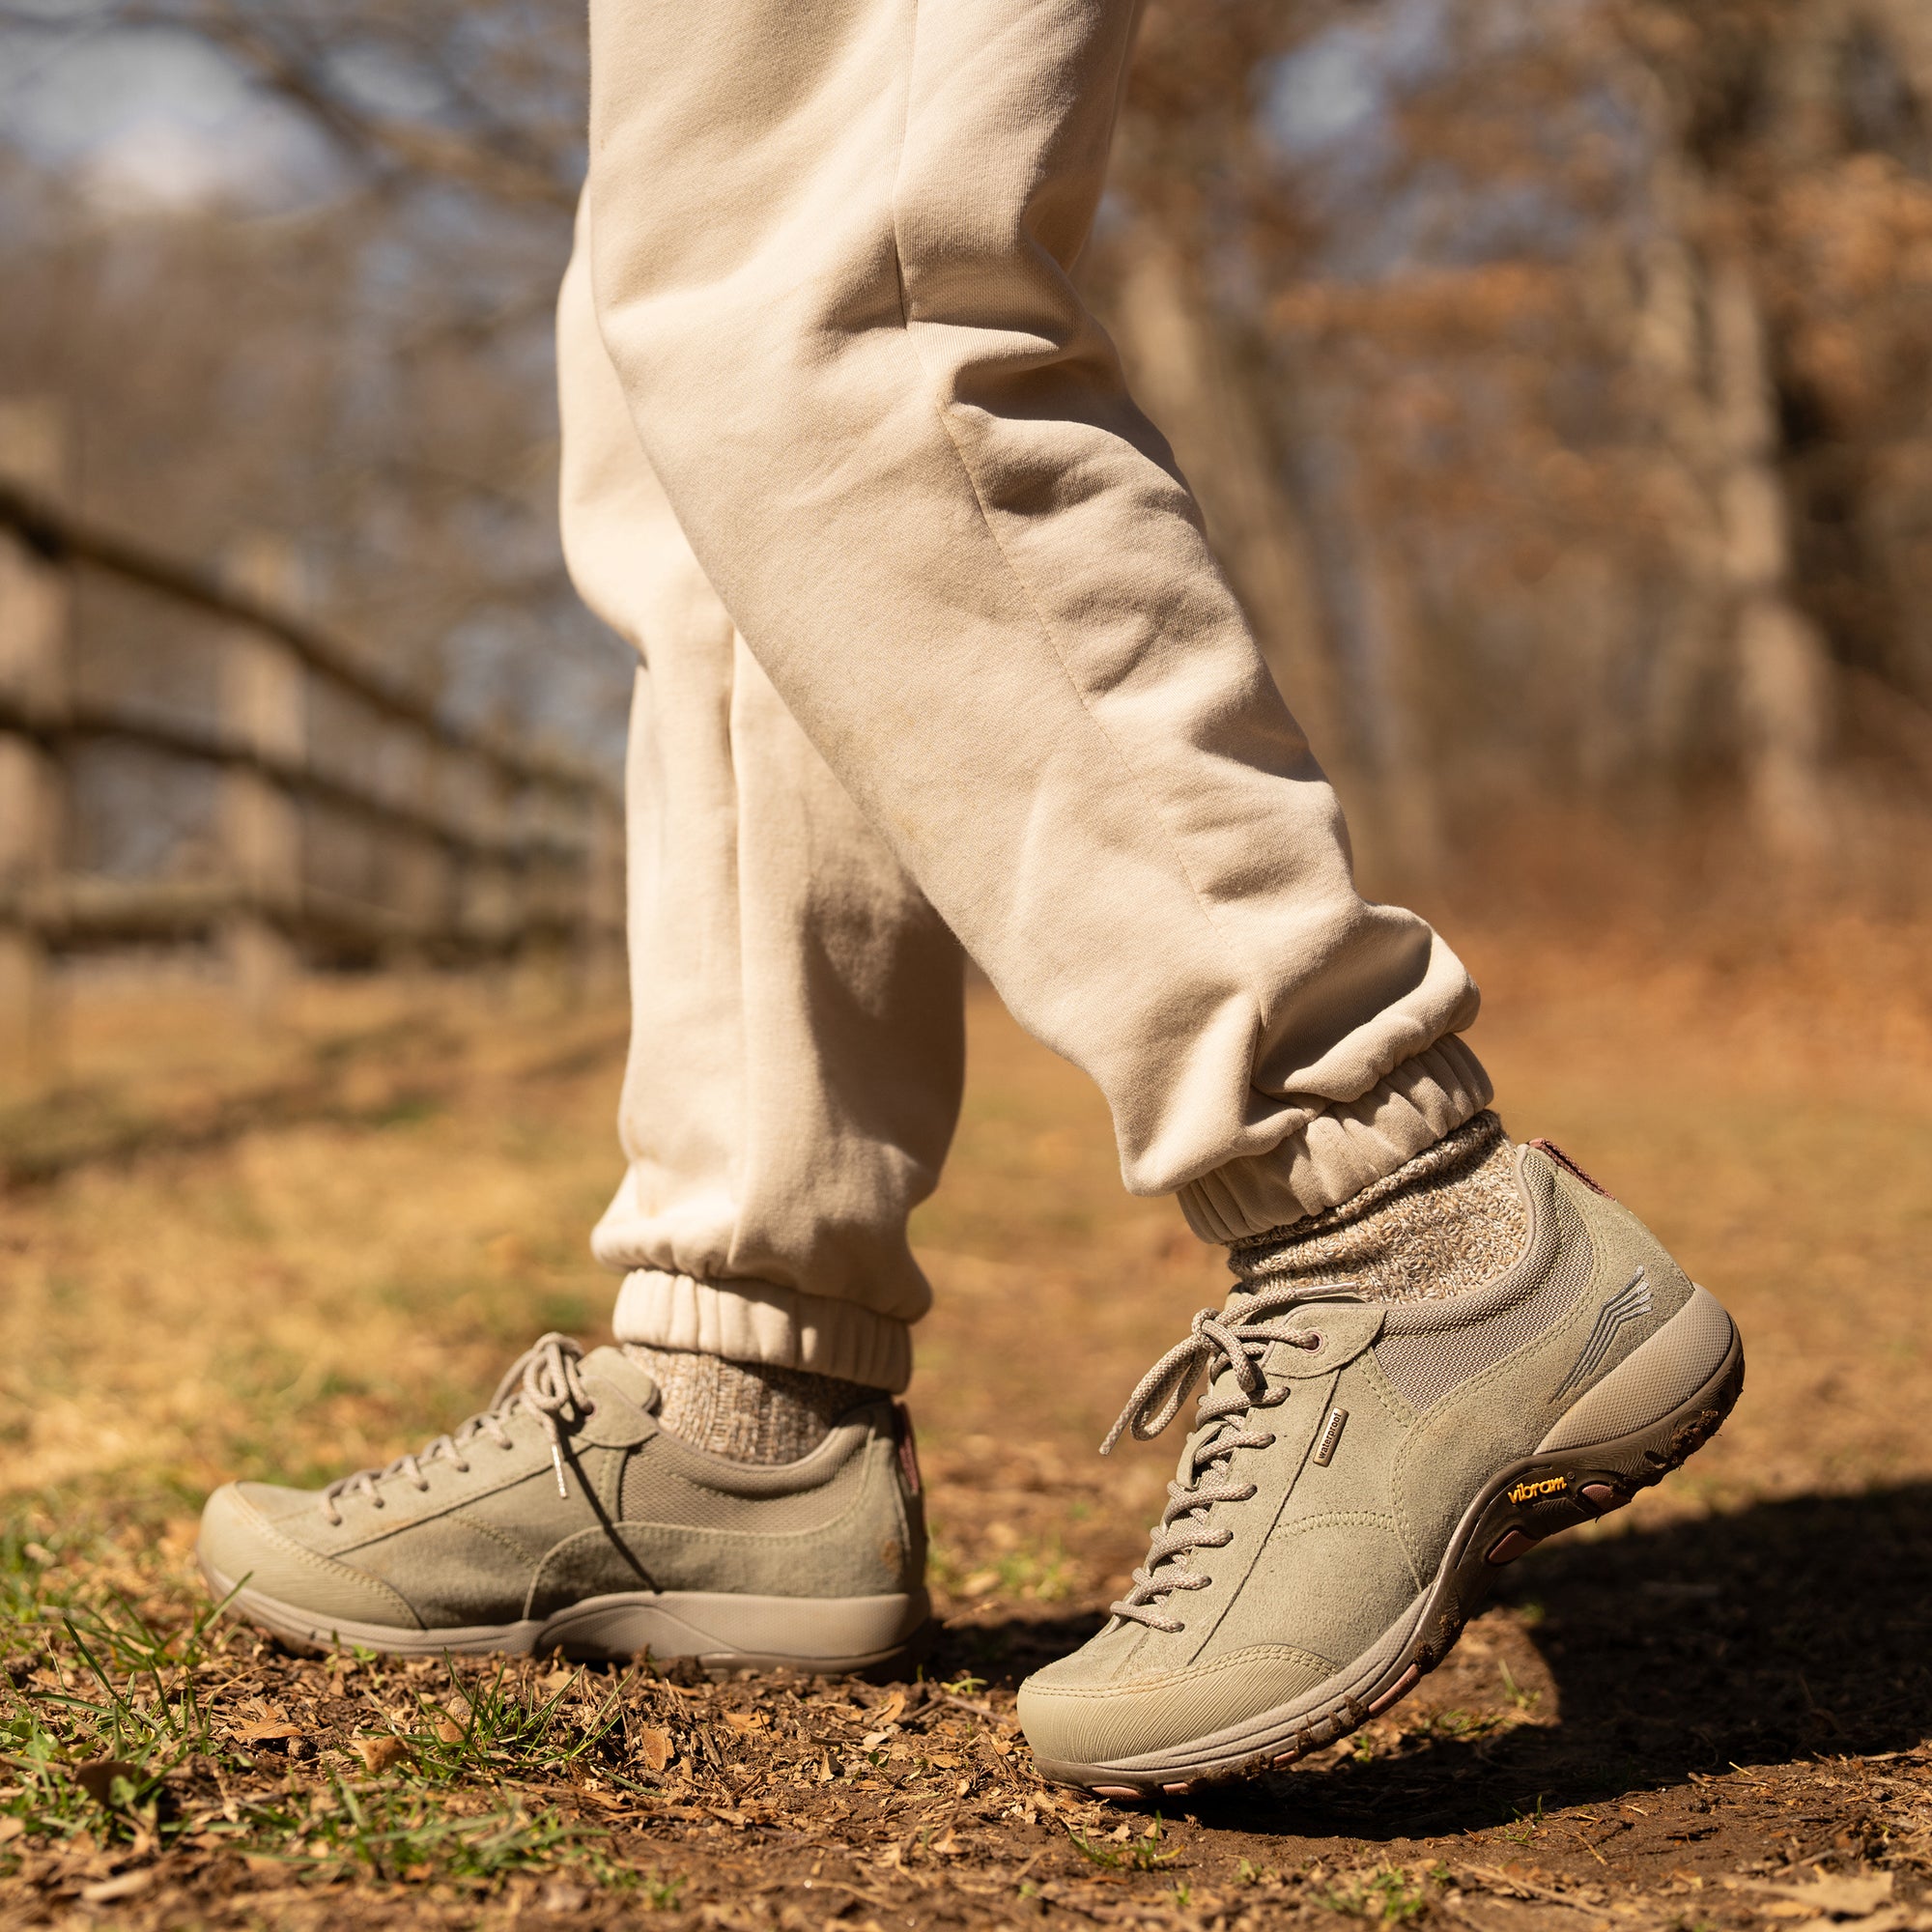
point(714, 1627)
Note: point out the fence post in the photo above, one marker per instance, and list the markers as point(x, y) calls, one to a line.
point(427, 897)
point(264, 713)
point(34, 626)
point(604, 890)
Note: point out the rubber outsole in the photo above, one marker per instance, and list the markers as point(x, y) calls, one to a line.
point(829, 1635)
point(1521, 1504)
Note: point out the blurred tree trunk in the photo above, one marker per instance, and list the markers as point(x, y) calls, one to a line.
point(1190, 380)
point(1783, 670)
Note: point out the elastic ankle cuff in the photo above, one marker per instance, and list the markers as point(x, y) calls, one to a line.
point(757, 1321)
point(1343, 1149)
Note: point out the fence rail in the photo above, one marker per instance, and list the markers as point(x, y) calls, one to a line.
point(489, 842)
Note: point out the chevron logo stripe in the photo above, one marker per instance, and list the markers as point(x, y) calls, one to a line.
point(1631, 1303)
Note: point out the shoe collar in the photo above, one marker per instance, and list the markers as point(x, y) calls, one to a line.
point(846, 1439)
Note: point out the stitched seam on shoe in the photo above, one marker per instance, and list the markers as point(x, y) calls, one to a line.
point(328, 1566)
point(1379, 1518)
point(827, 1526)
point(1240, 1660)
point(1376, 1383)
point(381, 1532)
point(1386, 1393)
point(517, 1555)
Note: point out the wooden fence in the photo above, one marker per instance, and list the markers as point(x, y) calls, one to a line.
point(489, 844)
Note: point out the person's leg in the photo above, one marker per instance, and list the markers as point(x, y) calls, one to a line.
point(831, 249)
point(794, 1076)
point(797, 1040)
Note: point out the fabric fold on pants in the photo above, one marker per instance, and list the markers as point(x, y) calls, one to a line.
point(797, 1040)
point(826, 270)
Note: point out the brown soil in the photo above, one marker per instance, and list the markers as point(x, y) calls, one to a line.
point(290, 1258)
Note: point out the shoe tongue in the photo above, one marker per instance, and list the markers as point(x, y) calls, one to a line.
point(614, 1368)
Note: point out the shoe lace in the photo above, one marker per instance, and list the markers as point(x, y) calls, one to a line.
point(1221, 1342)
point(544, 1380)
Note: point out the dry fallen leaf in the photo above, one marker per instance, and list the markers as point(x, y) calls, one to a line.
point(382, 1753)
point(1889, 1918)
point(447, 1729)
point(654, 1748)
point(1831, 1895)
point(890, 1710)
point(266, 1732)
point(744, 1721)
point(123, 1887)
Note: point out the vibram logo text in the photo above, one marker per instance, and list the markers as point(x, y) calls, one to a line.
point(1549, 1486)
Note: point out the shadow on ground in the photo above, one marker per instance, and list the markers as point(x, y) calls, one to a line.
point(1786, 1630)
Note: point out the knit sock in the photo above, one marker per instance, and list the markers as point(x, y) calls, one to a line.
point(747, 1410)
point(1446, 1221)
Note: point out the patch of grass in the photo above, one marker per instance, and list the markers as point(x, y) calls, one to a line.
point(1527, 1823)
point(490, 1729)
point(91, 1753)
point(399, 1831)
point(1035, 1572)
point(1458, 1727)
point(1389, 1894)
point(1146, 1853)
point(1522, 1700)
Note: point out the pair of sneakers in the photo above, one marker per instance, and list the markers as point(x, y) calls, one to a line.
point(1356, 1474)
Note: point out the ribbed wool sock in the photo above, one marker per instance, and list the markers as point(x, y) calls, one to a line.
point(1446, 1221)
point(746, 1410)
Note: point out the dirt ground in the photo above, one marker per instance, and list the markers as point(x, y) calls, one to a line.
point(289, 1257)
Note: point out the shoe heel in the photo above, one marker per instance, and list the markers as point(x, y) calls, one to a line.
point(1648, 1416)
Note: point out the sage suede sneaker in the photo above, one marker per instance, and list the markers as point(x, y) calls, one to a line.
point(1358, 1473)
point(564, 1518)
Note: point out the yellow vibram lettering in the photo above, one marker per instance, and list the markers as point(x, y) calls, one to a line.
point(1549, 1486)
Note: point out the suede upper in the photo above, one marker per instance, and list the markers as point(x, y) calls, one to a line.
point(1324, 1557)
point(643, 1512)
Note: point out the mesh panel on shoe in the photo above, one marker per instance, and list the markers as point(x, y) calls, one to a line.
point(654, 1493)
point(1425, 1363)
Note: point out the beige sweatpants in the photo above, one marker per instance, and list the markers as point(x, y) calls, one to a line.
point(933, 645)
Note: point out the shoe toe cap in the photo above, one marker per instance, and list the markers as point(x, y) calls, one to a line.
point(250, 1543)
point(1076, 1715)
